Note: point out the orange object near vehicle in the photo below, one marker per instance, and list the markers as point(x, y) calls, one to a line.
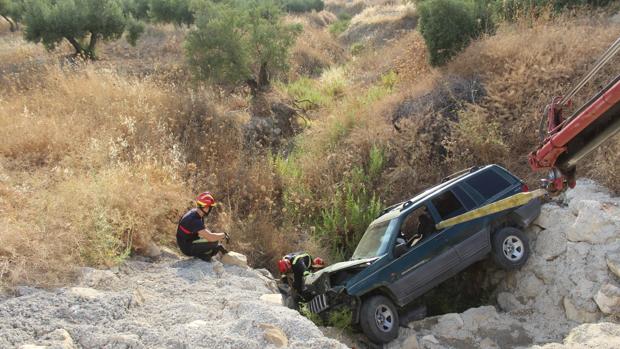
point(318, 263)
point(284, 266)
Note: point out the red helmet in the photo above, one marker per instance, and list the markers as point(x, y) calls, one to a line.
point(205, 200)
point(284, 265)
point(318, 262)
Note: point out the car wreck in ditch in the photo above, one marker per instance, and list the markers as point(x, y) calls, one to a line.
point(402, 255)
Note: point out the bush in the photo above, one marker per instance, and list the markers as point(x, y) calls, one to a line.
point(303, 5)
point(514, 9)
point(448, 26)
point(340, 25)
point(351, 209)
point(76, 20)
point(178, 12)
point(240, 41)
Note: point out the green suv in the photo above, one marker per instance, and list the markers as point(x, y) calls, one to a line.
point(401, 255)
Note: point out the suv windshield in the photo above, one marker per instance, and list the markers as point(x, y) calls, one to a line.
point(374, 242)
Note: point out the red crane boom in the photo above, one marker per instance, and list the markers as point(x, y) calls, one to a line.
point(569, 140)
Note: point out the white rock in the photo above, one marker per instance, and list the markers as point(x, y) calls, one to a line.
point(604, 335)
point(488, 343)
point(197, 324)
point(274, 335)
point(551, 243)
point(85, 292)
point(531, 286)
point(508, 302)
point(410, 343)
point(608, 299)
point(474, 317)
point(613, 262)
point(579, 315)
point(96, 277)
point(234, 258)
point(273, 298)
point(450, 326)
point(593, 225)
point(137, 297)
point(429, 342)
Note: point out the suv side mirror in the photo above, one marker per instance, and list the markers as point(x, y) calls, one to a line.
point(400, 249)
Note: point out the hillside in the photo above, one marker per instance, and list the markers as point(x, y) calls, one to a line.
point(100, 158)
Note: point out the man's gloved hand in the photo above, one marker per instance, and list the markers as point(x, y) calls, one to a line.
point(227, 237)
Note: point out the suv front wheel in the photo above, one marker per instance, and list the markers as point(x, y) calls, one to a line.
point(379, 319)
point(510, 248)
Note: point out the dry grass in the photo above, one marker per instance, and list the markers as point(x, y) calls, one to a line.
point(92, 171)
point(520, 82)
point(378, 25)
point(383, 14)
point(314, 51)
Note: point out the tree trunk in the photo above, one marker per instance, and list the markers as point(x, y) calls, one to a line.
point(263, 76)
point(12, 24)
point(92, 45)
point(79, 50)
point(253, 85)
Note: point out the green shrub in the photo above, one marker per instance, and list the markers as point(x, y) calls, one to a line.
point(447, 27)
point(341, 318)
point(240, 41)
point(339, 26)
point(303, 310)
point(357, 48)
point(303, 5)
point(351, 209)
point(75, 20)
point(178, 12)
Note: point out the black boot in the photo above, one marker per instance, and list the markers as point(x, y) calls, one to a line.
point(221, 248)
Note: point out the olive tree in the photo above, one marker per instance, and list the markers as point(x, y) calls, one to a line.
point(240, 41)
point(178, 12)
point(11, 11)
point(81, 22)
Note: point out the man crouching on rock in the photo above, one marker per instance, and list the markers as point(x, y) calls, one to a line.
point(193, 238)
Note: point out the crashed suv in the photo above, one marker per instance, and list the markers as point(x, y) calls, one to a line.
point(402, 255)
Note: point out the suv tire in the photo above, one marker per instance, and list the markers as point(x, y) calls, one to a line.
point(511, 248)
point(379, 319)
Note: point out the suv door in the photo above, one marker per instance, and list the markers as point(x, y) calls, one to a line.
point(419, 269)
point(471, 240)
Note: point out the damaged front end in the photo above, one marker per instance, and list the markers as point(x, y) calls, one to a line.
point(327, 289)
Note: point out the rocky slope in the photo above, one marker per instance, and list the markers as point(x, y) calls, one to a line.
point(169, 303)
point(566, 296)
point(571, 278)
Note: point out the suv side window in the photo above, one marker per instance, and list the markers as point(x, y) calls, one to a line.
point(448, 205)
point(488, 183)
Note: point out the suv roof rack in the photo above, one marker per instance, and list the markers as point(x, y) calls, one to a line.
point(460, 173)
point(388, 209)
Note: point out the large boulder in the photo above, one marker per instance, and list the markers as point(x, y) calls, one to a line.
point(608, 299)
point(234, 258)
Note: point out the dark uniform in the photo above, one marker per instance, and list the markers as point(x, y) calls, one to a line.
point(188, 240)
point(300, 264)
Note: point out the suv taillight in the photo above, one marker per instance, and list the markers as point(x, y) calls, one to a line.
point(525, 188)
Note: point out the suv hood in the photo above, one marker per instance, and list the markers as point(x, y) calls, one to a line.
point(338, 267)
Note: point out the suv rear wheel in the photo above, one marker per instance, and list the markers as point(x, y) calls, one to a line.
point(379, 319)
point(510, 248)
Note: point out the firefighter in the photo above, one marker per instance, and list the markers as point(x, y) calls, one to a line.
point(193, 238)
point(300, 264)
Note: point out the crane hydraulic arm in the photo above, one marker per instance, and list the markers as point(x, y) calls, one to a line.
point(568, 140)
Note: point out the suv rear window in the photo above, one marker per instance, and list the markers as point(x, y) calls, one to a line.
point(448, 205)
point(488, 183)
